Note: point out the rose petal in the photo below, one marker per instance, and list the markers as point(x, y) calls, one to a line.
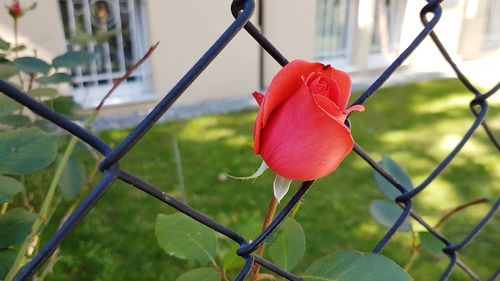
point(257, 127)
point(344, 82)
point(286, 82)
point(329, 107)
point(356, 107)
point(283, 85)
point(259, 97)
point(301, 142)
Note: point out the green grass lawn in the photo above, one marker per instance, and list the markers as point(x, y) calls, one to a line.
point(416, 125)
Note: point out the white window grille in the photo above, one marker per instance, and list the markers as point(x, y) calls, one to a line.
point(388, 20)
point(333, 25)
point(123, 22)
point(338, 24)
point(491, 39)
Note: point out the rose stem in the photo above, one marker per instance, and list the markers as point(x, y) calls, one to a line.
point(271, 210)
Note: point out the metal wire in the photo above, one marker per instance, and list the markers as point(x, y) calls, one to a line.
point(242, 11)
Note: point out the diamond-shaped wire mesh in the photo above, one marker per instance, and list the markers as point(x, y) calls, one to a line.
point(242, 11)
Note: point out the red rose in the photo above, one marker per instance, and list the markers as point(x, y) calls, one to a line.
point(300, 131)
point(15, 9)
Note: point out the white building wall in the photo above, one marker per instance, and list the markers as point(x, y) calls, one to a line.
point(448, 29)
point(39, 29)
point(186, 29)
point(290, 26)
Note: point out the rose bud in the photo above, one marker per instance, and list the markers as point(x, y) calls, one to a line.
point(15, 9)
point(300, 131)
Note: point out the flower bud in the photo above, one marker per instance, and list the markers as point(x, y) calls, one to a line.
point(15, 9)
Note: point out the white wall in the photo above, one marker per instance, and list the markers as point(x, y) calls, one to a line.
point(427, 57)
point(39, 29)
point(186, 29)
point(290, 26)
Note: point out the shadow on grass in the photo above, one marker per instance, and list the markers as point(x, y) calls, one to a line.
point(414, 124)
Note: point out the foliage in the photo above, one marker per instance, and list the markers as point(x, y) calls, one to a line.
point(288, 247)
point(386, 213)
point(28, 148)
point(355, 266)
point(184, 238)
point(119, 243)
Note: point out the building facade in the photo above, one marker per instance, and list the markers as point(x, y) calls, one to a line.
point(354, 35)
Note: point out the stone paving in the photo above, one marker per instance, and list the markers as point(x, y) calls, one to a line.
point(233, 104)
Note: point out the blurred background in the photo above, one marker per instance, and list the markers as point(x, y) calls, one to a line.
point(420, 115)
point(361, 37)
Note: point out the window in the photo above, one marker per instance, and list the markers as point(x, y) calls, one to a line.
point(491, 39)
point(375, 25)
point(118, 33)
point(388, 20)
point(333, 25)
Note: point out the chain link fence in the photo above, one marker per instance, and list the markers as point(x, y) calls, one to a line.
point(242, 11)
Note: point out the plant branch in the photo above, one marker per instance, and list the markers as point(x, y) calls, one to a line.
point(5, 206)
point(26, 199)
point(47, 202)
point(56, 255)
point(460, 208)
point(271, 210)
point(16, 44)
point(16, 25)
point(50, 265)
point(180, 171)
point(264, 276)
point(224, 275)
point(42, 217)
point(415, 250)
point(127, 74)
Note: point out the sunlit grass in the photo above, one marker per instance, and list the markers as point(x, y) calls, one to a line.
point(417, 125)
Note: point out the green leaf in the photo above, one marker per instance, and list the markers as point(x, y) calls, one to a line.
point(7, 257)
point(80, 38)
point(56, 78)
point(4, 45)
point(15, 226)
point(19, 48)
point(15, 120)
point(7, 70)
point(42, 124)
point(103, 36)
point(32, 65)
point(356, 266)
point(185, 238)
point(73, 178)
point(64, 105)
point(25, 151)
point(396, 172)
point(72, 59)
point(387, 213)
point(8, 188)
point(204, 273)
point(430, 242)
point(8, 105)
point(43, 92)
point(231, 260)
point(290, 244)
